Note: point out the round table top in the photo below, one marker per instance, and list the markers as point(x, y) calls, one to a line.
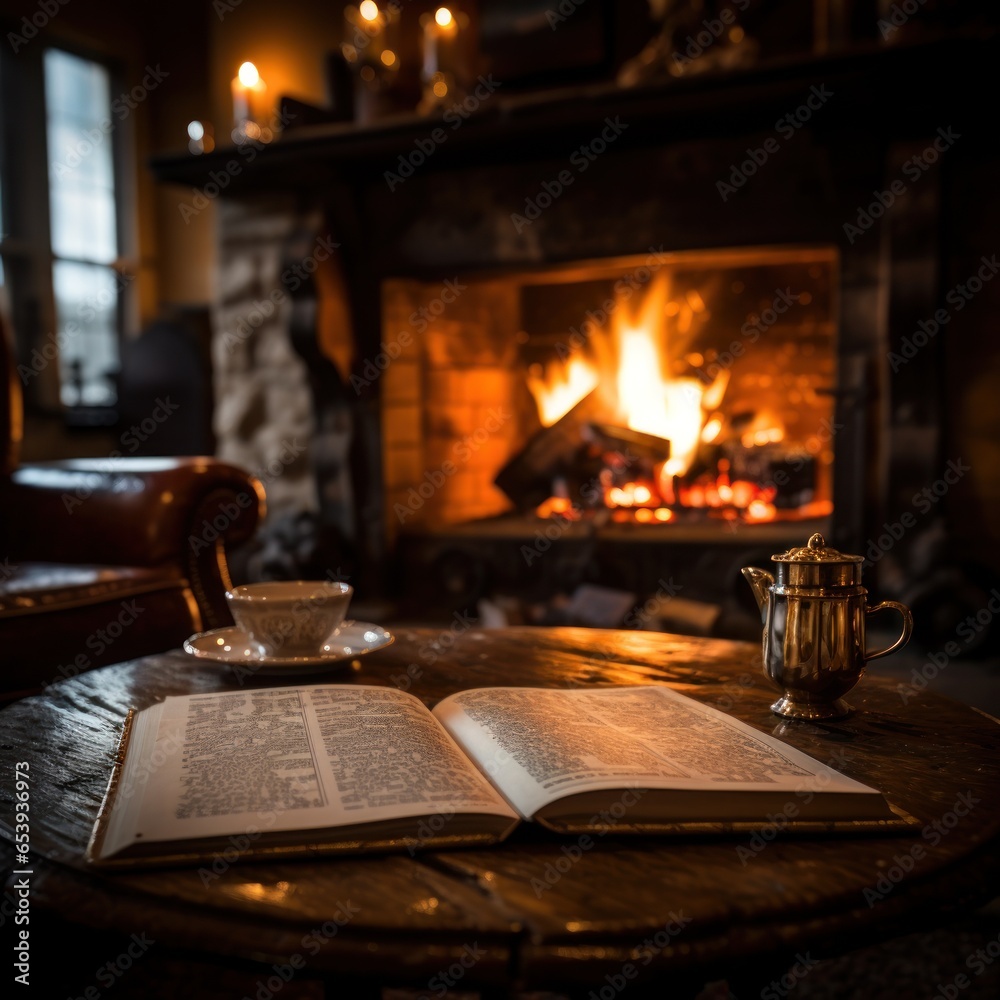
point(690, 905)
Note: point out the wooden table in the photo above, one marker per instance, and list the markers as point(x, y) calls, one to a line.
point(417, 917)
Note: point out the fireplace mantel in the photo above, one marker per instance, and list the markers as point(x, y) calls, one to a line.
point(888, 90)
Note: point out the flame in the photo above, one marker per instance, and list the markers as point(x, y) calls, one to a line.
point(561, 387)
point(630, 363)
point(635, 353)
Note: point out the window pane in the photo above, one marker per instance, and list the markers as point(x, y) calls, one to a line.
point(83, 223)
point(87, 317)
point(79, 156)
point(74, 87)
point(83, 214)
point(81, 166)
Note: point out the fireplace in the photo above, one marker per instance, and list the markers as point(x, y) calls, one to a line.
point(664, 389)
point(674, 399)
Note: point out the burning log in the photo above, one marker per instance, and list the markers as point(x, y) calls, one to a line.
point(628, 441)
point(551, 452)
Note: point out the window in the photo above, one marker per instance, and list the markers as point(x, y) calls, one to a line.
point(83, 227)
point(61, 230)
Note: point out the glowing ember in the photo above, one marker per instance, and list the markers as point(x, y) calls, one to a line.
point(629, 495)
point(558, 507)
point(760, 510)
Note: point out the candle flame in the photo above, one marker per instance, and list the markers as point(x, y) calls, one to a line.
point(248, 74)
point(443, 16)
point(368, 10)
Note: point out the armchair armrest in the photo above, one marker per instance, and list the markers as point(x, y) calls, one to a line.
point(136, 512)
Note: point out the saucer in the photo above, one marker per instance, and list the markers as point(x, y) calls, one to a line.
point(232, 645)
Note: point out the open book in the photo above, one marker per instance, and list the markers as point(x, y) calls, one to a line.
point(299, 770)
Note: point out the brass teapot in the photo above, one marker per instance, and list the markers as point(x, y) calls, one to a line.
point(814, 628)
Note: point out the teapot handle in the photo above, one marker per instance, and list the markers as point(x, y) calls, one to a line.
point(904, 638)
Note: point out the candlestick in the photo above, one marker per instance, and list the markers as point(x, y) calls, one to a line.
point(249, 105)
point(369, 48)
point(444, 57)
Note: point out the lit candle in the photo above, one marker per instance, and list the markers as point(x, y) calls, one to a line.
point(248, 89)
point(440, 43)
point(366, 37)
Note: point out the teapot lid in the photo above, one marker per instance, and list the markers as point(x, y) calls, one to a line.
point(815, 551)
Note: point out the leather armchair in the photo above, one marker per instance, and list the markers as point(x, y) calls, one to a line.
point(103, 560)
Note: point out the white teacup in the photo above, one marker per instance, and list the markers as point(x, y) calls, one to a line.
point(290, 617)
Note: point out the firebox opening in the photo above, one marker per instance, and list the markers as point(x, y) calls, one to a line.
point(655, 391)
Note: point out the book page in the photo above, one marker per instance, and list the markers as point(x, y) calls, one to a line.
point(387, 756)
point(539, 745)
point(282, 759)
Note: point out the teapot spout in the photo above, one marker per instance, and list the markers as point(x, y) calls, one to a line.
point(760, 582)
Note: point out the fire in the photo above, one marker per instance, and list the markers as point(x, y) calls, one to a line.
point(634, 365)
point(666, 408)
point(561, 386)
point(637, 349)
